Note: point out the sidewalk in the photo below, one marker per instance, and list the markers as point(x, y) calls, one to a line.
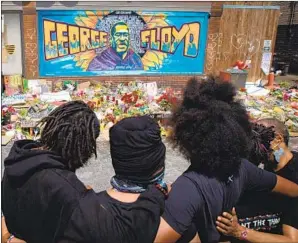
point(286, 78)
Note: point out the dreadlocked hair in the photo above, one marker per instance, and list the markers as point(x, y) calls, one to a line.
point(260, 145)
point(71, 131)
point(211, 128)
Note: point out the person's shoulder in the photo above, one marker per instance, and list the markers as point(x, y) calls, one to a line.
point(94, 205)
point(62, 180)
point(295, 157)
point(190, 180)
point(247, 165)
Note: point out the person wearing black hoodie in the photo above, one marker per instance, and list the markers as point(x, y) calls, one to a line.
point(40, 190)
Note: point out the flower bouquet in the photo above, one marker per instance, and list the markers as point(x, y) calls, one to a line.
point(6, 114)
point(167, 100)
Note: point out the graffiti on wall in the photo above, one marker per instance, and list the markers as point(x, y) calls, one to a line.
point(241, 47)
point(90, 43)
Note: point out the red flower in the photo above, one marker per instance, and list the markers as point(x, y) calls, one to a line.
point(130, 98)
point(11, 110)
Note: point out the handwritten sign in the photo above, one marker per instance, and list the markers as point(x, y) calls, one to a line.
point(59, 96)
point(151, 88)
point(266, 61)
point(267, 46)
point(28, 123)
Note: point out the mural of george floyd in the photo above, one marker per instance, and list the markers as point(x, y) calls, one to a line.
point(93, 43)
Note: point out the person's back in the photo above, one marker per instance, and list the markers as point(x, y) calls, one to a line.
point(209, 197)
point(135, 202)
point(36, 187)
point(39, 187)
point(44, 201)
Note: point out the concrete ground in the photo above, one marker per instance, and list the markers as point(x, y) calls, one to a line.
point(99, 171)
point(290, 77)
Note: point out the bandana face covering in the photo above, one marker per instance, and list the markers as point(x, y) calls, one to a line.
point(123, 185)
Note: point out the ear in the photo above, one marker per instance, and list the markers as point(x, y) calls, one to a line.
point(279, 138)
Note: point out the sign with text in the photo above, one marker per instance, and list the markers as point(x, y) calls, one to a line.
point(91, 43)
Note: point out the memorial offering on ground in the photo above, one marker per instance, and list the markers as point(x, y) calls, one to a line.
point(22, 112)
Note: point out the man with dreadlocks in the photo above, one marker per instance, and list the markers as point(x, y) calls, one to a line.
point(40, 190)
point(264, 217)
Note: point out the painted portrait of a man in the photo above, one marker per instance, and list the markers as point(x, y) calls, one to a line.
point(119, 56)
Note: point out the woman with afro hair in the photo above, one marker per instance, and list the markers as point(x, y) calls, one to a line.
point(212, 130)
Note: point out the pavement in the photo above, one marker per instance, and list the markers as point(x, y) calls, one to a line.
point(290, 77)
point(98, 172)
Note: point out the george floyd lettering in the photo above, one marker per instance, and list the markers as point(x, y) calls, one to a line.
point(62, 39)
point(91, 43)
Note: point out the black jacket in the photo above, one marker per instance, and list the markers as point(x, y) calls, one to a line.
point(42, 201)
point(38, 192)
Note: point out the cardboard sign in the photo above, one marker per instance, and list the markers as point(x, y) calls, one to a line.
point(59, 96)
point(83, 86)
point(267, 46)
point(14, 99)
point(266, 61)
point(28, 123)
point(37, 86)
point(151, 88)
point(13, 84)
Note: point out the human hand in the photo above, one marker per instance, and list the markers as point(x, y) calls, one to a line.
point(228, 224)
point(16, 240)
point(5, 235)
point(169, 187)
point(4, 231)
point(88, 187)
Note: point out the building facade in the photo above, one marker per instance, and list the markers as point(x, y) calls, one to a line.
point(286, 50)
point(148, 41)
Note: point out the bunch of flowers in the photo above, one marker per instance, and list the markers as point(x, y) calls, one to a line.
point(167, 100)
point(130, 98)
point(7, 111)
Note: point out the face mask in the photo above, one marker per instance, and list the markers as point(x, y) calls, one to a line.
point(278, 153)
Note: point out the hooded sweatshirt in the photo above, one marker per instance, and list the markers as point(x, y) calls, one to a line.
point(44, 202)
point(38, 192)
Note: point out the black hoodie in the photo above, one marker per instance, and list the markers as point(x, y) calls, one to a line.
point(44, 202)
point(36, 187)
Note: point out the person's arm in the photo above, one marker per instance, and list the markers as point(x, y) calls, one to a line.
point(196, 239)
point(166, 233)
point(4, 231)
point(15, 240)
point(228, 225)
point(6, 236)
point(260, 180)
point(286, 187)
point(180, 210)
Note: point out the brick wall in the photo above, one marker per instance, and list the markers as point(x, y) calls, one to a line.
point(286, 47)
point(30, 40)
point(176, 82)
point(285, 9)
